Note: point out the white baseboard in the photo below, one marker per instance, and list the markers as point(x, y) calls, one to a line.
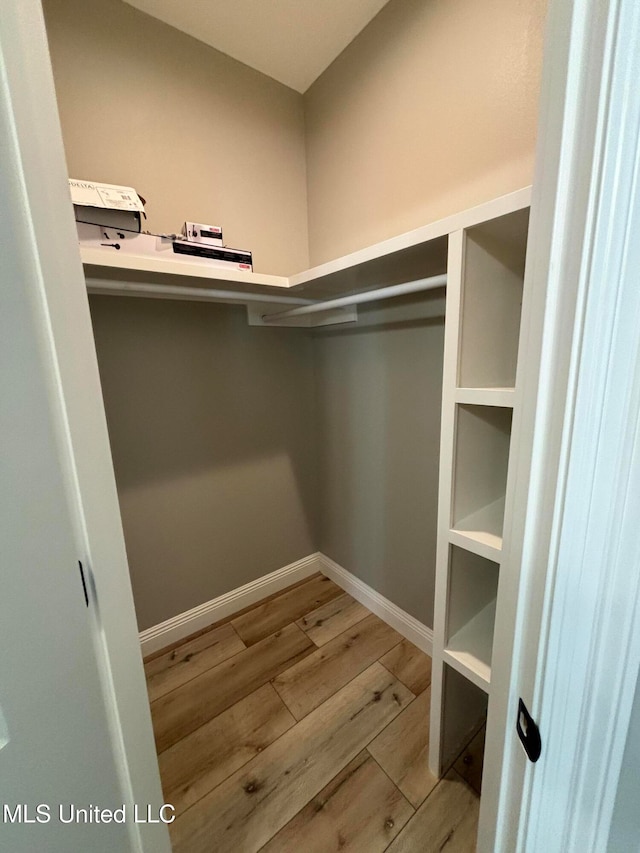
point(200, 617)
point(206, 614)
point(404, 624)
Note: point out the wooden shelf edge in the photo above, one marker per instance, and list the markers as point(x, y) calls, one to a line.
point(499, 397)
point(118, 265)
point(469, 542)
point(481, 678)
point(469, 650)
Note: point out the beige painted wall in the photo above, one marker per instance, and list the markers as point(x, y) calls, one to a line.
point(198, 134)
point(379, 391)
point(431, 110)
point(212, 428)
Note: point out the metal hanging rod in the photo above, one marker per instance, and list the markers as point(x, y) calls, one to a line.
point(166, 291)
point(358, 298)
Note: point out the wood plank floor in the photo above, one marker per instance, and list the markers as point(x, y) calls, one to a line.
point(303, 725)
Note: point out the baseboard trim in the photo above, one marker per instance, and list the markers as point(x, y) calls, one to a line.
point(200, 617)
point(191, 621)
point(405, 624)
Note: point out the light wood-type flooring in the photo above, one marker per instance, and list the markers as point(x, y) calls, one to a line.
point(302, 726)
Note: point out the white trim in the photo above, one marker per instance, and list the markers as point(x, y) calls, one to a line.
point(200, 617)
point(403, 622)
point(455, 266)
point(181, 626)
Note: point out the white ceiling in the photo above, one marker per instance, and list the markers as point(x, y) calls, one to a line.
point(292, 41)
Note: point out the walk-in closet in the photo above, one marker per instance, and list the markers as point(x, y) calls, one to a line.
point(313, 450)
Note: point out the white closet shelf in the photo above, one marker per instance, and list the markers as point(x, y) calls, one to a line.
point(502, 397)
point(478, 542)
point(469, 650)
point(414, 255)
point(481, 532)
point(192, 272)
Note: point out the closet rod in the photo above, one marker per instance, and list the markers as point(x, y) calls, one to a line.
point(166, 291)
point(358, 298)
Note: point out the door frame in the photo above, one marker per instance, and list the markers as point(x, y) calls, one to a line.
point(575, 406)
point(570, 645)
point(26, 83)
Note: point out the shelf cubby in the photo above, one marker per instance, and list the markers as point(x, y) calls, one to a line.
point(471, 604)
point(493, 278)
point(465, 711)
point(483, 434)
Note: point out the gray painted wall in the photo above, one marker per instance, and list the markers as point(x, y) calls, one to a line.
point(238, 450)
point(379, 405)
point(213, 434)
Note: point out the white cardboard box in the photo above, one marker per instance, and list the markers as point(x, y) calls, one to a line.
point(106, 204)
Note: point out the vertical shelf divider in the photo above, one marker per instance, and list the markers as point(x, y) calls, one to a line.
point(455, 263)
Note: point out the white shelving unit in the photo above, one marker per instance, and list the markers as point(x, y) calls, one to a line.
point(484, 302)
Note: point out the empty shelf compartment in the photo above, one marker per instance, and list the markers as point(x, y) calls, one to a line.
point(473, 587)
point(493, 279)
point(464, 713)
point(483, 435)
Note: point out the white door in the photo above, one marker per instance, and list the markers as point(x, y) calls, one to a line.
point(54, 731)
point(74, 722)
point(571, 649)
